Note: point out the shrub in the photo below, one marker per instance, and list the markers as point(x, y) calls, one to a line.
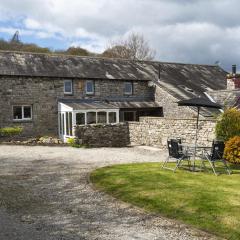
point(232, 150)
point(228, 124)
point(10, 131)
point(74, 142)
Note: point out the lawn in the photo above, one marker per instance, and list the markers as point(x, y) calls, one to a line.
point(208, 202)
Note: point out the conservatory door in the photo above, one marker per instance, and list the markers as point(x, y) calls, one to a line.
point(65, 125)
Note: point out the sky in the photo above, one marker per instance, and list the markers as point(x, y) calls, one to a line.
point(188, 31)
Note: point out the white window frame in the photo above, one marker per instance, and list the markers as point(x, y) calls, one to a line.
point(117, 117)
point(86, 90)
point(128, 93)
point(67, 81)
point(22, 107)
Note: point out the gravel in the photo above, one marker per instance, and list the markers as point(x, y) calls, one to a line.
point(45, 194)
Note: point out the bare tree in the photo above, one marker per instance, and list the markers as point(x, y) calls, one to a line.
point(134, 47)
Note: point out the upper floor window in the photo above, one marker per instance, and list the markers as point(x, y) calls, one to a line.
point(22, 112)
point(128, 88)
point(68, 88)
point(89, 87)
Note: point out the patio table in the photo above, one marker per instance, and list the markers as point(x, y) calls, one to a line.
point(194, 148)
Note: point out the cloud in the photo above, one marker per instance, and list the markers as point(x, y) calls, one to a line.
point(197, 31)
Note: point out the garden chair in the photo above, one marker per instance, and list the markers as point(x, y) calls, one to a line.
point(176, 152)
point(216, 155)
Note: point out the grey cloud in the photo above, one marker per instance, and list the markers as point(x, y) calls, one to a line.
point(198, 31)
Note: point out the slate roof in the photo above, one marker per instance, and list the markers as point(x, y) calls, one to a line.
point(78, 104)
point(90, 105)
point(64, 66)
point(183, 81)
point(133, 104)
point(228, 98)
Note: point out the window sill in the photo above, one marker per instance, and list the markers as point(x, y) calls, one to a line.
point(68, 94)
point(22, 120)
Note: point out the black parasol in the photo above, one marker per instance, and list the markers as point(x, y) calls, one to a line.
point(198, 103)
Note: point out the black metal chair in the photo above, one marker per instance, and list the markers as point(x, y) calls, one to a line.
point(216, 155)
point(176, 152)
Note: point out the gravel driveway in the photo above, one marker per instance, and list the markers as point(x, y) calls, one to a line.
point(45, 194)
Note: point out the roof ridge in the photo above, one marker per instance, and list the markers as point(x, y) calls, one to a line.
point(110, 59)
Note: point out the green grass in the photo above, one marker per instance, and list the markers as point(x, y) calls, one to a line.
point(199, 199)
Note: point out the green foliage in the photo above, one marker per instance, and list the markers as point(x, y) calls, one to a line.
point(228, 124)
point(23, 47)
point(10, 131)
point(31, 47)
point(232, 150)
point(74, 142)
point(77, 51)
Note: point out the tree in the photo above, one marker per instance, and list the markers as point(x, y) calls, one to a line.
point(118, 51)
point(78, 51)
point(134, 47)
point(14, 44)
point(228, 125)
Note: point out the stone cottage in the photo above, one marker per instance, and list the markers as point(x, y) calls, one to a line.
point(49, 94)
point(230, 96)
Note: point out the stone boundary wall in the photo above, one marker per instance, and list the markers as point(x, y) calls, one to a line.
point(115, 135)
point(153, 131)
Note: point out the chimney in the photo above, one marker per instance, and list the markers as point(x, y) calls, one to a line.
point(233, 79)
point(234, 69)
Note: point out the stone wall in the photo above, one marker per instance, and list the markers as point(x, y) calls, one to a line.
point(154, 131)
point(43, 94)
point(116, 135)
point(170, 106)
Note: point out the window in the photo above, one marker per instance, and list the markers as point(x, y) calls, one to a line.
point(63, 124)
point(129, 116)
point(102, 117)
point(89, 87)
point(112, 117)
point(91, 118)
point(80, 118)
point(128, 88)
point(68, 116)
point(60, 124)
point(22, 112)
point(68, 89)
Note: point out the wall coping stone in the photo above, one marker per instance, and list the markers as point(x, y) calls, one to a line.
point(181, 119)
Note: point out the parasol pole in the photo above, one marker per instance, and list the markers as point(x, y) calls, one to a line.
point(196, 137)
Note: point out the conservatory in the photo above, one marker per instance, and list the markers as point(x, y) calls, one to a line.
point(75, 113)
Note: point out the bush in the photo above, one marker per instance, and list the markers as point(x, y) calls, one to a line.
point(74, 142)
point(10, 131)
point(228, 125)
point(232, 150)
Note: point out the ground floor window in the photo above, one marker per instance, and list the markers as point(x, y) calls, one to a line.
point(112, 117)
point(65, 123)
point(22, 112)
point(91, 117)
point(102, 117)
point(68, 117)
point(129, 116)
point(80, 118)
